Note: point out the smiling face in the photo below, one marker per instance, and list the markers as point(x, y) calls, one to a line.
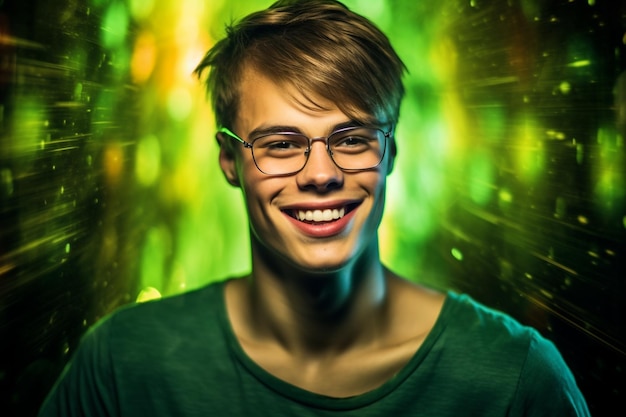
point(320, 218)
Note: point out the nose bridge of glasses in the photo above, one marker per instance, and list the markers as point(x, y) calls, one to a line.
point(322, 139)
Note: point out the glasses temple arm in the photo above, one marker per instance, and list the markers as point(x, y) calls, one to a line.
point(234, 136)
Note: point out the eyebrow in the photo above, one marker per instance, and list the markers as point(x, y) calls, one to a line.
point(261, 131)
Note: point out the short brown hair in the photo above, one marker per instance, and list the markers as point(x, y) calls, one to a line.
point(318, 46)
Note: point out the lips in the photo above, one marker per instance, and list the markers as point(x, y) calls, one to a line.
point(322, 221)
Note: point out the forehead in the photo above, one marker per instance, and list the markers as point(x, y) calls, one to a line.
point(266, 102)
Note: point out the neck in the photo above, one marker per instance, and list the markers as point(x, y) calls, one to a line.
point(317, 313)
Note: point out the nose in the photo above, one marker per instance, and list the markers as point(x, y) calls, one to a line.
point(320, 172)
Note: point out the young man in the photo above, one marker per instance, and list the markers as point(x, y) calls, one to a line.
point(306, 94)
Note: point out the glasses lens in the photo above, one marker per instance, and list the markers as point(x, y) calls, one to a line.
point(353, 148)
point(280, 154)
point(357, 148)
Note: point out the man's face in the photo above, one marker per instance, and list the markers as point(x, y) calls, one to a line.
point(354, 200)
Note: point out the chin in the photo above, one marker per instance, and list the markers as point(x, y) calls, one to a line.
point(317, 263)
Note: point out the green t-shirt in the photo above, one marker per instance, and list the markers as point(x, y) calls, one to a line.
point(179, 357)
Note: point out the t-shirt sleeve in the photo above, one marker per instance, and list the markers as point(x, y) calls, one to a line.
point(547, 386)
point(86, 386)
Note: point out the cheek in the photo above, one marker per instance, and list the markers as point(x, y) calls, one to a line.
point(379, 194)
point(258, 193)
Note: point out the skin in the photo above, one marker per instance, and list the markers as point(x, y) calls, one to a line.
point(318, 311)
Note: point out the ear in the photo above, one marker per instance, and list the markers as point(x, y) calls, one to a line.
point(228, 163)
point(393, 150)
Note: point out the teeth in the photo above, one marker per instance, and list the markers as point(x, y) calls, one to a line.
point(320, 215)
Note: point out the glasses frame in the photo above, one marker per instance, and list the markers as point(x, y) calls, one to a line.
point(307, 151)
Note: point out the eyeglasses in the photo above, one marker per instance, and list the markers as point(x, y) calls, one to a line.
point(354, 148)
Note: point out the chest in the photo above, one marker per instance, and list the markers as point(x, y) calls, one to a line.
point(346, 375)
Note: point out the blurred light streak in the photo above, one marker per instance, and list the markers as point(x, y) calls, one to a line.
point(579, 64)
point(551, 261)
point(591, 331)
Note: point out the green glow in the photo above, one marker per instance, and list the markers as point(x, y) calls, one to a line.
point(505, 196)
point(6, 182)
point(115, 25)
point(26, 135)
point(148, 160)
point(530, 152)
point(377, 10)
point(155, 253)
point(565, 87)
point(147, 294)
point(179, 104)
point(492, 119)
point(481, 177)
point(505, 200)
point(457, 254)
point(579, 64)
point(610, 178)
point(580, 51)
point(141, 9)
point(580, 153)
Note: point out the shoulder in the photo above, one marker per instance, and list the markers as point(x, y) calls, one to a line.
point(158, 321)
point(206, 298)
point(157, 341)
point(547, 383)
point(481, 343)
point(479, 321)
point(497, 352)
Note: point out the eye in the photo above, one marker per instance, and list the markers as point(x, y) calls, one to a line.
point(280, 145)
point(357, 141)
point(353, 141)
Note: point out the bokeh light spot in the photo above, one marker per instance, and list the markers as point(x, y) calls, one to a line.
point(530, 152)
point(143, 58)
point(6, 182)
point(113, 162)
point(179, 104)
point(580, 153)
point(141, 9)
point(147, 294)
point(505, 200)
point(148, 160)
point(115, 25)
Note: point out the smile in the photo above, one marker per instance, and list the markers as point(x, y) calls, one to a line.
point(320, 215)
